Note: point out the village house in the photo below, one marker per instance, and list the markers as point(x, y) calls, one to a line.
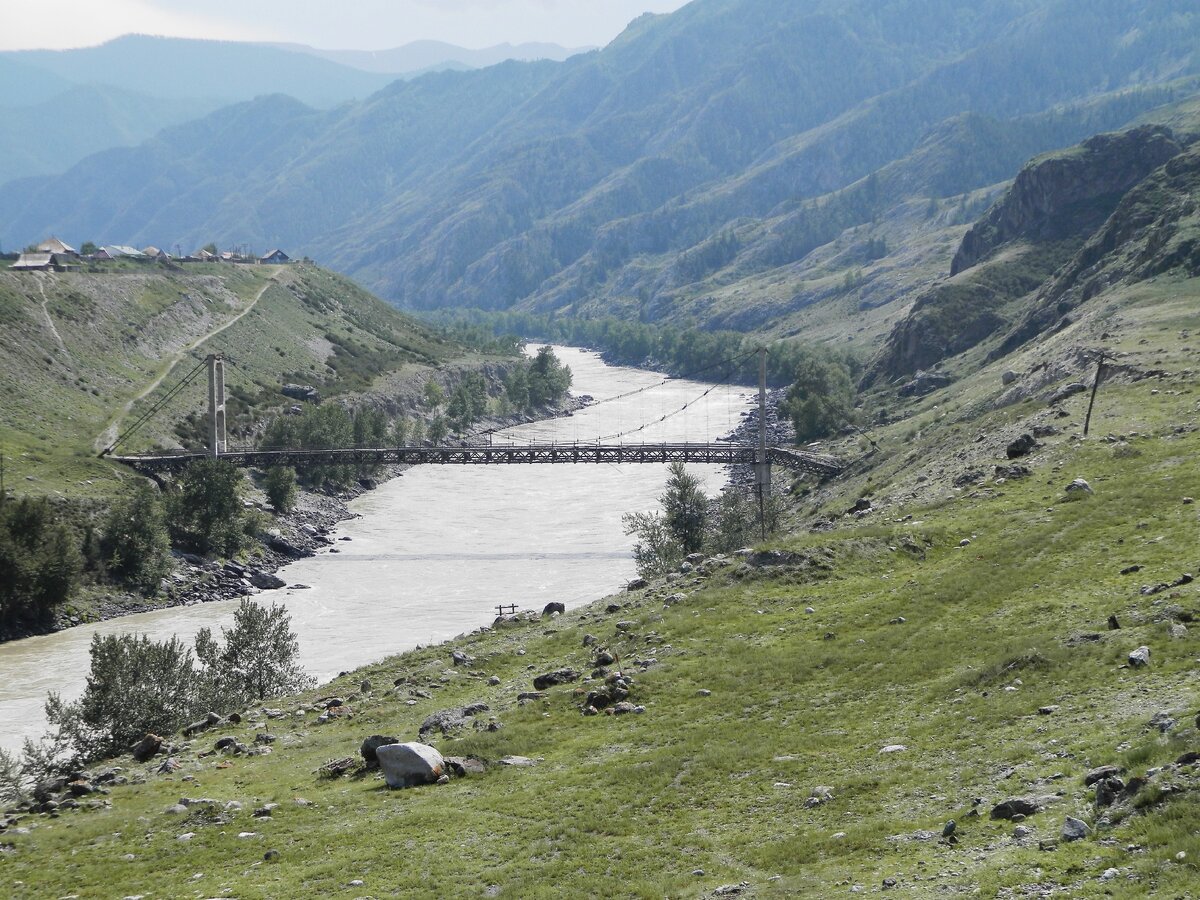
point(275, 258)
point(54, 245)
point(43, 262)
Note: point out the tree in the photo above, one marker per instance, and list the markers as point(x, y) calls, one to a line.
point(135, 685)
point(135, 546)
point(434, 395)
point(685, 508)
point(206, 514)
point(516, 386)
point(438, 429)
point(88, 248)
point(656, 552)
point(400, 432)
point(258, 659)
point(821, 399)
point(280, 486)
point(549, 379)
point(40, 562)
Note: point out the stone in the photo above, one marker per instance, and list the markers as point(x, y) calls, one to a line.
point(819, 796)
point(225, 743)
point(1075, 829)
point(1177, 630)
point(1140, 657)
point(637, 584)
point(271, 856)
point(1100, 773)
point(265, 811)
point(1022, 446)
point(410, 764)
point(1108, 790)
point(1079, 488)
point(265, 581)
point(146, 748)
point(461, 659)
point(518, 762)
point(1048, 710)
point(494, 680)
point(169, 765)
point(623, 707)
point(462, 766)
point(1015, 806)
point(590, 640)
point(1008, 377)
point(1188, 759)
point(893, 748)
point(554, 606)
point(1114, 624)
point(372, 744)
point(1163, 721)
point(1021, 832)
point(604, 658)
point(557, 677)
point(1066, 391)
point(1109, 874)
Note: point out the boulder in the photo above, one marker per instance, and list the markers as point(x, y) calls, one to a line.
point(461, 659)
point(1016, 806)
point(1108, 790)
point(554, 607)
point(146, 748)
point(1100, 773)
point(1008, 378)
point(1022, 446)
point(410, 764)
point(265, 581)
point(372, 744)
point(1075, 829)
point(1069, 390)
point(1078, 488)
point(1140, 657)
point(550, 679)
point(637, 584)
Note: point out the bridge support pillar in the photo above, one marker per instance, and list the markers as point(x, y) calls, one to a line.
point(216, 404)
point(762, 466)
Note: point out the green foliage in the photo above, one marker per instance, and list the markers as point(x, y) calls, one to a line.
point(40, 562)
point(821, 399)
point(135, 545)
point(135, 685)
point(434, 395)
point(328, 426)
point(11, 781)
point(468, 402)
point(258, 659)
point(685, 508)
point(438, 428)
point(206, 514)
point(87, 248)
point(656, 552)
point(280, 487)
point(549, 380)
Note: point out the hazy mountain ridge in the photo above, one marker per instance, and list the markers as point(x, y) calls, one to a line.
point(609, 177)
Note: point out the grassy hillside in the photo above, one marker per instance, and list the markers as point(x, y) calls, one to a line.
point(961, 620)
point(79, 351)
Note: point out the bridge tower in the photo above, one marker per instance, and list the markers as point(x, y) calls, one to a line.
point(216, 404)
point(763, 465)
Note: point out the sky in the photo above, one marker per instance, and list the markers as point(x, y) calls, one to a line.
point(329, 24)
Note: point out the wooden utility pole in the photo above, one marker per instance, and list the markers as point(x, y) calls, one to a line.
point(762, 467)
point(1087, 423)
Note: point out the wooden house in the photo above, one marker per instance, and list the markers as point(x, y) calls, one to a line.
point(275, 258)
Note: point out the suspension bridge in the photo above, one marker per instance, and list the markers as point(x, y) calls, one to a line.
point(762, 457)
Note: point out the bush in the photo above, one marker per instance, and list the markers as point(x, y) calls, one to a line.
point(135, 546)
point(821, 399)
point(656, 552)
point(685, 508)
point(280, 485)
point(137, 685)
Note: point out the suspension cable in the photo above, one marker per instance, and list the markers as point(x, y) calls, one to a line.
point(153, 410)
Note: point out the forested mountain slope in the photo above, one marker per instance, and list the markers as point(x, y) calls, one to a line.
point(635, 176)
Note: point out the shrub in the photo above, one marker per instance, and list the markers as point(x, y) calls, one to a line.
point(258, 659)
point(207, 515)
point(280, 485)
point(40, 562)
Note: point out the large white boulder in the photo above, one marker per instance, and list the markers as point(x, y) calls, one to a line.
point(406, 765)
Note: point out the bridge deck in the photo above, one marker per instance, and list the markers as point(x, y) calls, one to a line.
point(499, 454)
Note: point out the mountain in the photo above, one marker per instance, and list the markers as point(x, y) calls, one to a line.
point(418, 57)
point(718, 146)
point(177, 68)
point(56, 132)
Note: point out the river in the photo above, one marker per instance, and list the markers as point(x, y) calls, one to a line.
point(437, 549)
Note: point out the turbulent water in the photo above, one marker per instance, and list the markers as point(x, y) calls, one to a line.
point(437, 549)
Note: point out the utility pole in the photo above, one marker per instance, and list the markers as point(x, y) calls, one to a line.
point(1087, 423)
point(762, 468)
point(216, 404)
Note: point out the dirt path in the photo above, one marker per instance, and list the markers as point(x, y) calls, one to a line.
point(109, 434)
point(41, 282)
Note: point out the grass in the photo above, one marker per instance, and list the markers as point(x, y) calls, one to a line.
point(633, 806)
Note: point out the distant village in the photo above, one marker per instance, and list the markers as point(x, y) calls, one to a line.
point(55, 255)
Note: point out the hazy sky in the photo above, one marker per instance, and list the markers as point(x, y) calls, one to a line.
point(331, 24)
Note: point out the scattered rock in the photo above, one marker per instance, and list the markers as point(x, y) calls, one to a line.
point(372, 744)
point(893, 748)
point(637, 584)
point(146, 748)
point(1048, 710)
point(1069, 390)
point(819, 796)
point(1100, 773)
point(1016, 806)
point(1140, 657)
point(551, 679)
point(1079, 488)
point(554, 606)
point(410, 764)
point(1163, 721)
point(1108, 790)
point(462, 766)
point(1021, 832)
point(519, 762)
point(1022, 446)
point(590, 640)
point(1075, 829)
point(1113, 624)
point(461, 659)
